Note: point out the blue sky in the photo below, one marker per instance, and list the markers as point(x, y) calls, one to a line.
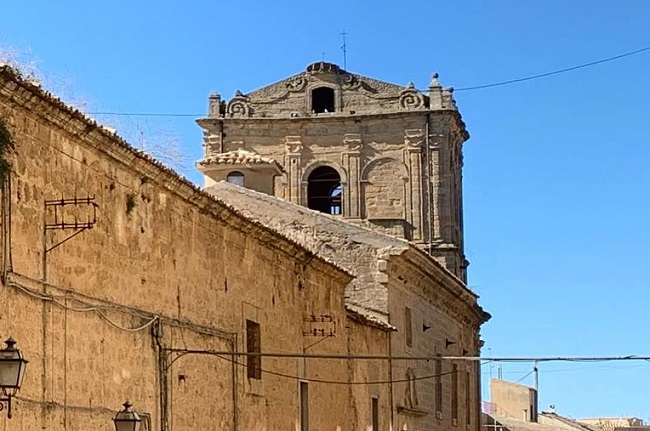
point(556, 177)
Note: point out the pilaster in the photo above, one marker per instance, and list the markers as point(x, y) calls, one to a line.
point(292, 165)
point(434, 169)
point(413, 141)
point(350, 159)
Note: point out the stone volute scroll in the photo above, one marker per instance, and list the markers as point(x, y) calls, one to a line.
point(411, 98)
point(350, 82)
point(296, 84)
point(239, 106)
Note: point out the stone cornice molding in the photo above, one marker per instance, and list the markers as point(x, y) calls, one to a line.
point(338, 116)
point(454, 295)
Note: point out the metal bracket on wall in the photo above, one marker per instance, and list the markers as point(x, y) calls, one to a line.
point(6, 400)
point(72, 219)
point(323, 325)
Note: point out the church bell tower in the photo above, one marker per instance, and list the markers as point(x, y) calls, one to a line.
point(374, 153)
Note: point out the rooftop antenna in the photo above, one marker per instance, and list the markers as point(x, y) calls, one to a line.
point(344, 47)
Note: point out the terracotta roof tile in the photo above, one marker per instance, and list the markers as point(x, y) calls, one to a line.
point(238, 157)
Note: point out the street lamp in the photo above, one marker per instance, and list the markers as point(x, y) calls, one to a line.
point(127, 419)
point(12, 371)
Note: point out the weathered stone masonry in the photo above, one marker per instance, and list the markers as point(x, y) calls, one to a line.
point(396, 150)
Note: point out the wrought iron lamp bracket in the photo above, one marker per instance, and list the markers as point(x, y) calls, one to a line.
point(5, 403)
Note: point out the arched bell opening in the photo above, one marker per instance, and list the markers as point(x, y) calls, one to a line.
point(324, 191)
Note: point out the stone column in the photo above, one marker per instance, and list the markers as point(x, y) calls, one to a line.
point(350, 159)
point(413, 141)
point(292, 165)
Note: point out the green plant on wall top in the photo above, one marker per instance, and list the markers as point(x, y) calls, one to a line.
point(6, 145)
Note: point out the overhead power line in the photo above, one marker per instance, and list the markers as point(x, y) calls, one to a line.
point(144, 114)
point(555, 72)
point(326, 381)
point(230, 356)
point(470, 88)
point(418, 358)
point(351, 382)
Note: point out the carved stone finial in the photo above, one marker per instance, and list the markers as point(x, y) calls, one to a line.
point(434, 81)
point(448, 101)
point(214, 104)
point(410, 85)
point(238, 93)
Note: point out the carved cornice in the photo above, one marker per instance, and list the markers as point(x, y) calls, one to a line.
point(453, 296)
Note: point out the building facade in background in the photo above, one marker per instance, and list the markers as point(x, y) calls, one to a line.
point(514, 407)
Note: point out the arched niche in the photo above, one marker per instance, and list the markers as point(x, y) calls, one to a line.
point(384, 186)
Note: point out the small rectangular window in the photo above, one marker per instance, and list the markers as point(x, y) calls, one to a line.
point(375, 414)
point(253, 345)
point(408, 327)
point(304, 406)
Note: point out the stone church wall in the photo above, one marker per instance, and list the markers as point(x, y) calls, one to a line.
point(432, 321)
point(164, 267)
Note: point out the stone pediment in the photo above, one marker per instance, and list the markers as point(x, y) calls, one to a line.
point(351, 94)
point(324, 72)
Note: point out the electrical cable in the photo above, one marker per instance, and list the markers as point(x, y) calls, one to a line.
point(341, 382)
point(114, 307)
point(98, 310)
point(470, 88)
point(144, 114)
point(555, 72)
point(523, 377)
point(338, 356)
point(136, 329)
